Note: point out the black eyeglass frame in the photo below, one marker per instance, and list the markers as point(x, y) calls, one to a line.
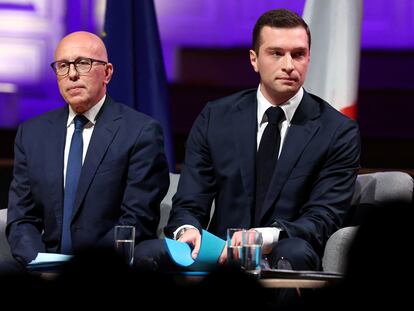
point(75, 63)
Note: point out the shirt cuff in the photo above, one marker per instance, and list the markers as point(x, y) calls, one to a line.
point(270, 236)
point(181, 227)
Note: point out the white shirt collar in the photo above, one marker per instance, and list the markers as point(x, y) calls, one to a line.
point(289, 107)
point(90, 114)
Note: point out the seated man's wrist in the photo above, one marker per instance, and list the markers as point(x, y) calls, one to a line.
point(181, 230)
point(270, 236)
point(180, 233)
point(282, 231)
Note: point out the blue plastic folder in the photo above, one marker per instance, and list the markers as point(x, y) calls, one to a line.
point(208, 256)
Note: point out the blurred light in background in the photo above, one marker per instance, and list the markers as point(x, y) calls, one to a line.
point(30, 30)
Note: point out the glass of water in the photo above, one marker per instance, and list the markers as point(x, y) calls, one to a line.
point(234, 247)
point(252, 242)
point(125, 242)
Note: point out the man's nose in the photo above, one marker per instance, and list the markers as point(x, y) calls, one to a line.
point(73, 73)
point(288, 63)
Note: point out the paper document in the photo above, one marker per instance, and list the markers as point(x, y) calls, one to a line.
point(45, 260)
point(50, 257)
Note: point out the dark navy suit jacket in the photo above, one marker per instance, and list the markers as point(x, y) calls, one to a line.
point(123, 180)
point(312, 185)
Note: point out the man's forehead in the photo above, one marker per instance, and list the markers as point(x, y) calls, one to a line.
point(282, 37)
point(80, 45)
point(69, 50)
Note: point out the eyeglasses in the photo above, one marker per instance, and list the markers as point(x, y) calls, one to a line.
point(81, 64)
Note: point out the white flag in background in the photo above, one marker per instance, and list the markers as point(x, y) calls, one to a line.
point(335, 51)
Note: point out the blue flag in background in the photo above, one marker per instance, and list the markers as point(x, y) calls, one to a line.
point(139, 80)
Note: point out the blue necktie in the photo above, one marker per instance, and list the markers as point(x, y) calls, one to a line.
point(73, 171)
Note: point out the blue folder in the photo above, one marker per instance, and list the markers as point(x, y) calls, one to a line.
point(208, 256)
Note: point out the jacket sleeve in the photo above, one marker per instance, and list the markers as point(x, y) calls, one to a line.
point(197, 185)
point(24, 222)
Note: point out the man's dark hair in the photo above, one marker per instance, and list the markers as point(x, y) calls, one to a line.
point(280, 18)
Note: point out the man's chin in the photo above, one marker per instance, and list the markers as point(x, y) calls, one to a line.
point(287, 89)
point(78, 106)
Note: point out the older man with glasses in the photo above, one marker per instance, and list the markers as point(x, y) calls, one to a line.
point(82, 169)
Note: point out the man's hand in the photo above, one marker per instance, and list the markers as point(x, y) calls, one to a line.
point(223, 257)
point(192, 236)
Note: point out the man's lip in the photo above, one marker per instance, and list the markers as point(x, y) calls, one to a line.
point(286, 79)
point(75, 88)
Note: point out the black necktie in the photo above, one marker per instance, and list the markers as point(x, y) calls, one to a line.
point(266, 157)
point(73, 171)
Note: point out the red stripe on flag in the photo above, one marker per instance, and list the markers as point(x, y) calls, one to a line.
point(350, 111)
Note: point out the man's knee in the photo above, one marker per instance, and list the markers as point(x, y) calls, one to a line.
point(298, 252)
point(152, 255)
point(149, 248)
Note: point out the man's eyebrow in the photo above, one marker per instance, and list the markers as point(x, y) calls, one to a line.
point(277, 48)
point(300, 49)
point(272, 49)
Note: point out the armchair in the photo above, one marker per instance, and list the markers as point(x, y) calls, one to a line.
point(374, 189)
point(5, 254)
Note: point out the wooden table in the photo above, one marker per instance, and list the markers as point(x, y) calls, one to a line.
point(293, 283)
point(267, 282)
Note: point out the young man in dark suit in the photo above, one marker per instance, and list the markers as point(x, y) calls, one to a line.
point(299, 195)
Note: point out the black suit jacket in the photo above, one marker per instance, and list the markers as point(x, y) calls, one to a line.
point(312, 185)
point(124, 177)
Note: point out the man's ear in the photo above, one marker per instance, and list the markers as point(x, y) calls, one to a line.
point(109, 70)
point(253, 60)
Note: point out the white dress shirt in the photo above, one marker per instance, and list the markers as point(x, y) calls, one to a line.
point(270, 235)
point(86, 134)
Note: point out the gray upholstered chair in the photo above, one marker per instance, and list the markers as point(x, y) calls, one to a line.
point(5, 254)
point(374, 189)
point(167, 203)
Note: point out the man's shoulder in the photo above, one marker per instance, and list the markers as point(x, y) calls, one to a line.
point(327, 110)
point(234, 99)
point(45, 117)
point(129, 113)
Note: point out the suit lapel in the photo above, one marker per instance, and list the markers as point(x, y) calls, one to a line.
point(303, 127)
point(244, 131)
point(55, 149)
point(103, 134)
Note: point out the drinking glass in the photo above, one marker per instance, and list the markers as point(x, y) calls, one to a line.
point(234, 246)
point(125, 242)
point(252, 242)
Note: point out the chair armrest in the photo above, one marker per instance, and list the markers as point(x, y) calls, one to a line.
point(383, 187)
point(5, 253)
point(337, 248)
